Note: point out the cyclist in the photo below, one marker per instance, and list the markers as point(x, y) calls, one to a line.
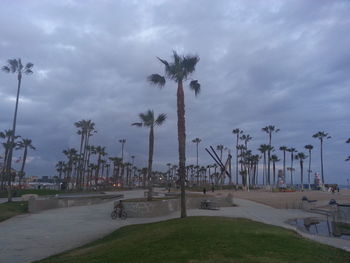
point(119, 207)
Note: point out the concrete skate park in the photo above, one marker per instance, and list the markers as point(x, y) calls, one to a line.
point(51, 230)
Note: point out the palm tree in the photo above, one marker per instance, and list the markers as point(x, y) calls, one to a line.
point(15, 66)
point(292, 151)
point(148, 120)
point(25, 144)
point(179, 71)
point(86, 128)
point(269, 130)
point(284, 149)
point(321, 135)
point(246, 138)
point(301, 157)
point(71, 155)
point(274, 160)
point(238, 132)
point(59, 168)
point(309, 147)
point(263, 149)
point(220, 148)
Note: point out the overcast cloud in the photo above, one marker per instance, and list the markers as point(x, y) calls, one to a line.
point(285, 63)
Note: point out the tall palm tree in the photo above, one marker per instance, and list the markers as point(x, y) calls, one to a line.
point(309, 147)
point(284, 149)
point(321, 135)
point(24, 144)
point(301, 157)
point(15, 66)
point(100, 151)
point(238, 132)
point(220, 148)
point(59, 168)
point(70, 153)
point(292, 151)
point(148, 120)
point(269, 130)
point(197, 141)
point(263, 149)
point(274, 160)
point(179, 70)
point(246, 138)
point(86, 128)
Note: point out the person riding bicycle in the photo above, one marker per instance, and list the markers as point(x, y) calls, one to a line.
point(119, 207)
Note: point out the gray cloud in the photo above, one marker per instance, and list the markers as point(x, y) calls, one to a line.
point(273, 62)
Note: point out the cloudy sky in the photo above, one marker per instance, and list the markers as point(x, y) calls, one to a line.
point(285, 63)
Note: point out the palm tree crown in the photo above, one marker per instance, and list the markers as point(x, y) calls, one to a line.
point(148, 120)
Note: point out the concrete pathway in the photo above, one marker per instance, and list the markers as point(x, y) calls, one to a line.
point(32, 237)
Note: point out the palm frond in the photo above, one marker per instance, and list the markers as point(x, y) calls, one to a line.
point(29, 65)
point(28, 71)
point(13, 63)
point(138, 124)
point(160, 119)
point(157, 80)
point(195, 86)
point(6, 69)
point(189, 64)
point(177, 58)
point(163, 61)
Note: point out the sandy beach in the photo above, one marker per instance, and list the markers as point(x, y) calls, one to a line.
point(288, 200)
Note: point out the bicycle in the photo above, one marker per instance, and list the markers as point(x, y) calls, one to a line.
point(119, 212)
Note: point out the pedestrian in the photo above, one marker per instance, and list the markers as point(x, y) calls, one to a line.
point(212, 187)
point(204, 190)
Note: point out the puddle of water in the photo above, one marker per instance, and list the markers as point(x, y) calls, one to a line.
point(322, 227)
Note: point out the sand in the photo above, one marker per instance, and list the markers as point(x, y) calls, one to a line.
point(288, 200)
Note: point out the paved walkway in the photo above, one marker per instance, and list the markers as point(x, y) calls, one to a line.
point(32, 237)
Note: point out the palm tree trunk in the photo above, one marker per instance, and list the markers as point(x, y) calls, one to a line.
point(309, 171)
point(284, 166)
point(237, 158)
point(322, 162)
point(182, 143)
point(274, 172)
point(150, 161)
point(21, 173)
point(302, 174)
point(9, 161)
point(268, 161)
point(291, 169)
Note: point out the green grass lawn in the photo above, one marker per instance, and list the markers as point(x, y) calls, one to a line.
point(202, 240)
point(11, 209)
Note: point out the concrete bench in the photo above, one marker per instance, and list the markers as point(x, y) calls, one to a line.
point(210, 205)
point(145, 194)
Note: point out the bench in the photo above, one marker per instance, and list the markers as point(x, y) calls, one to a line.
point(153, 193)
point(209, 205)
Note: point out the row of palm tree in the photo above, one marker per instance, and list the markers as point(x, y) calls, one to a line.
point(18, 144)
point(244, 156)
